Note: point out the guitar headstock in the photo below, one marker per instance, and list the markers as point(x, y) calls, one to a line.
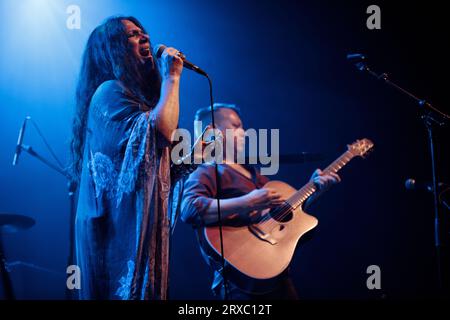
point(360, 147)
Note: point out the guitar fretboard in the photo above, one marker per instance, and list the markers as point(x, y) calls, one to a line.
point(298, 198)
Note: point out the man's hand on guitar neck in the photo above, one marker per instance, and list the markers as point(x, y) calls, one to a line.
point(323, 182)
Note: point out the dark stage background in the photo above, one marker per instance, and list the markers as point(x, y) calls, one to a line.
point(284, 64)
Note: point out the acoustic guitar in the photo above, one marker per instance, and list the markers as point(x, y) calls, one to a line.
point(263, 250)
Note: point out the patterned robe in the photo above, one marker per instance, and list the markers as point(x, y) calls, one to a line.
point(122, 222)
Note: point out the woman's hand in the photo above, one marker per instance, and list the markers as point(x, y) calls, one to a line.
point(170, 64)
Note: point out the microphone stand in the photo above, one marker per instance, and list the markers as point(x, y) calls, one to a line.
point(431, 117)
point(219, 193)
point(4, 273)
point(71, 186)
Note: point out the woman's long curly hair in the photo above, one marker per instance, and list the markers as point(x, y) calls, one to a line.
point(108, 56)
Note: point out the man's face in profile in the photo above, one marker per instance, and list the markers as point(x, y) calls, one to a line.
point(229, 122)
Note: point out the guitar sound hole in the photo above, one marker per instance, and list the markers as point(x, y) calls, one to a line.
point(281, 215)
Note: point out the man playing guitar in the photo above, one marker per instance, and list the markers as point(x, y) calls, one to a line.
point(242, 194)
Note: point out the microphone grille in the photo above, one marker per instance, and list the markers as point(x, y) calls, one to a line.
point(159, 49)
point(410, 184)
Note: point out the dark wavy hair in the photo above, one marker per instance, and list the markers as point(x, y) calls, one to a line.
point(108, 56)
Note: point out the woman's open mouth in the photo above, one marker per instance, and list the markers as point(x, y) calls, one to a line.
point(145, 52)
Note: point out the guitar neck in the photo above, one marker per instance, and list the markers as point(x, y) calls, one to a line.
point(298, 198)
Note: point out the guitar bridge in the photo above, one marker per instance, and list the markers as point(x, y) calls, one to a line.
point(260, 234)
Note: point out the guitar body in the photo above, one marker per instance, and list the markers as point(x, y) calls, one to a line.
point(264, 250)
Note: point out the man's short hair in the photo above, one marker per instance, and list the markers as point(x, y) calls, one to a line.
point(204, 115)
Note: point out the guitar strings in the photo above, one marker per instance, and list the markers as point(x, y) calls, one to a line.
point(287, 208)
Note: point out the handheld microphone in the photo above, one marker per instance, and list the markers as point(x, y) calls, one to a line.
point(19, 141)
point(159, 49)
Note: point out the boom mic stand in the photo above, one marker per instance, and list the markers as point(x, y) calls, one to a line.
point(432, 117)
point(71, 185)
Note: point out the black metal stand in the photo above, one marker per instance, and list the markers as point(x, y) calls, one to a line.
point(7, 285)
point(219, 193)
point(72, 187)
point(431, 117)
